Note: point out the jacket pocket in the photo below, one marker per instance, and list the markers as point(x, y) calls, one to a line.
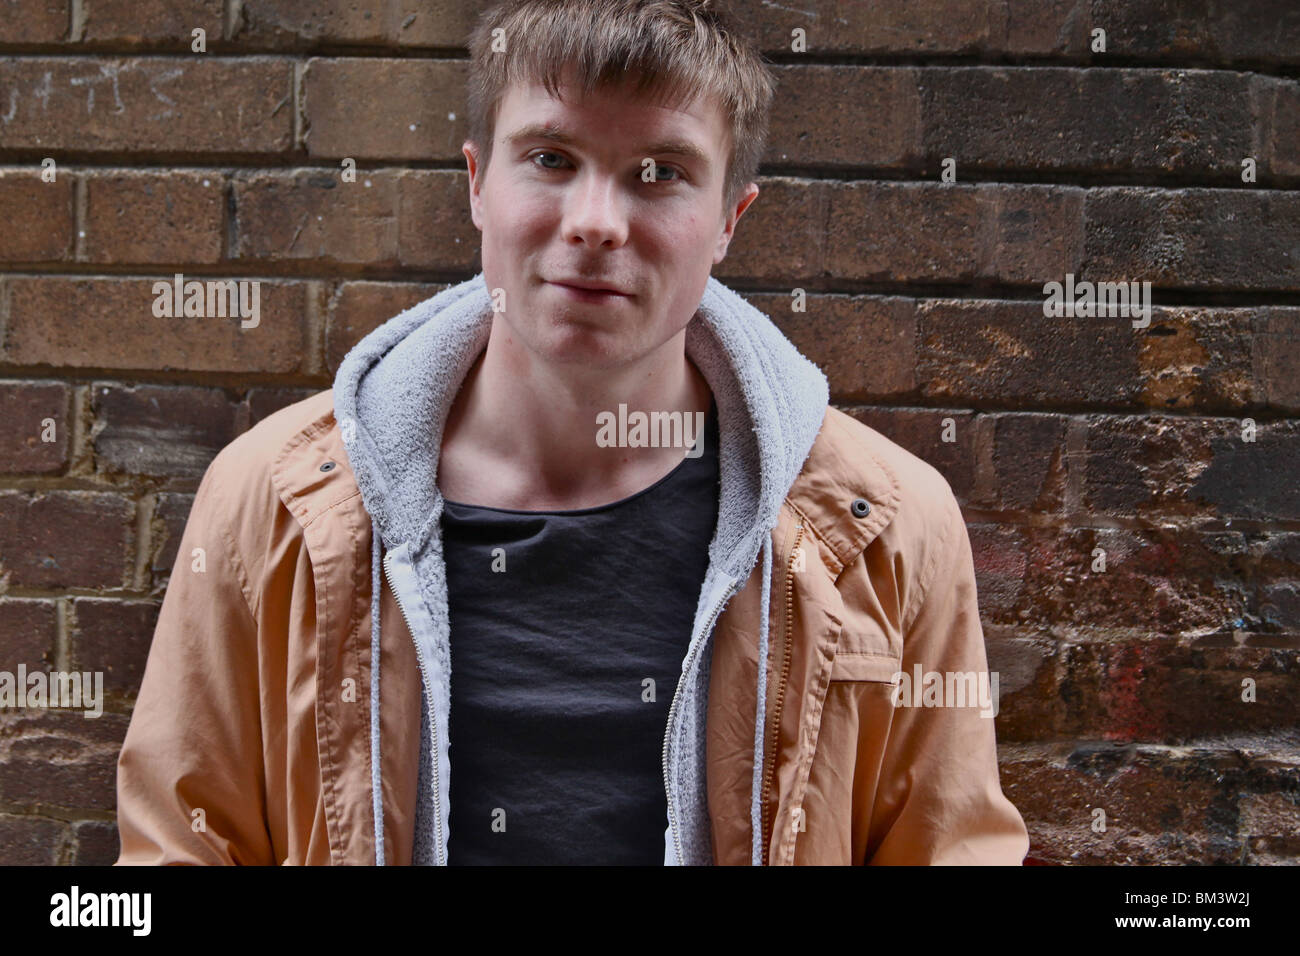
point(865, 666)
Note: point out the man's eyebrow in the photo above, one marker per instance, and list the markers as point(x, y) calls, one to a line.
point(554, 134)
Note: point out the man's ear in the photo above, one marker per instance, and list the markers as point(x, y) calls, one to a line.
point(747, 196)
point(475, 198)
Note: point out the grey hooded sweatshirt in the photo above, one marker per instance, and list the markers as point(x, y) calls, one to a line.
point(392, 396)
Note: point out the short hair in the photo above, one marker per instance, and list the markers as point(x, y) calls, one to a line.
point(673, 48)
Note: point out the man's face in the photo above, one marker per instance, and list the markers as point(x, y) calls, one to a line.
point(563, 200)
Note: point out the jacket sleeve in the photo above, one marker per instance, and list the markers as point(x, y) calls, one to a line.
point(939, 800)
point(190, 782)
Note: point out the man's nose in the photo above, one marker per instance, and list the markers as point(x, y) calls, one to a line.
point(594, 212)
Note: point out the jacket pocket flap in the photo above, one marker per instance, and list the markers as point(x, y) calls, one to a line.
point(855, 665)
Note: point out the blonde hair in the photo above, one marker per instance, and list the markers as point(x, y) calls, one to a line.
point(673, 48)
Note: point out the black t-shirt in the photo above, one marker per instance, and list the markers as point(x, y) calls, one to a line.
point(564, 665)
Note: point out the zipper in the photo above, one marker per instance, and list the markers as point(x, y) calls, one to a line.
point(672, 713)
point(433, 720)
point(786, 653)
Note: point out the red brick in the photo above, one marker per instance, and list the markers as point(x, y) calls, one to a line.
point(34, 21)
point(37, 215)
point(172, 217)
point(112, 637)
point(30, 632)
point(159, 430)
point(23, 428)
point(1162, 692)
point(62, 539)
point(109, 323)
point(408, 114)
point(1027, 684)
point(893, 26)
point(413, 218)
point(169, 21)
point(358, 308)
point(59, 758)
point(205, 104)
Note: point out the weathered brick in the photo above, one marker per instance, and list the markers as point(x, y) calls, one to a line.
point(28, 633)
point(892, 26)
point(1270, 825)
point(973, 348)
point(922, 432)
point(170, 513)
point(413, 218)
point(34, 412)
point(782, 235)
point(172, 217)
point(415, 108)
point(59, 758)
point(267, 401)
point(95, 104)
point(1163, 581)
point(164, 22)
point(902, 232)
point(159, 430)
point(60, 539)
point(1193, 238)
point(34, 21)
point(112, 637)
point(1138, 465)
point(97, 843)
point(1263, 30)
point(109, 323)
point(1161, 806)
point(296, 24)
point(866, 345)
point(37, 214)
point(29, 840)
point(358, 308)
point(845, 115)
point(1029, 461)
point(1026, 669)
point(1094, 120)
point(1165, 692)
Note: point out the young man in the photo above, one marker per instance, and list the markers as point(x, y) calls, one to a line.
point(471, 553)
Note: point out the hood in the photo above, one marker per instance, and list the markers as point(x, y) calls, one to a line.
point(392, 395)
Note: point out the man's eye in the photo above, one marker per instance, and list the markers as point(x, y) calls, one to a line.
point(541, 154)
point(660, 170)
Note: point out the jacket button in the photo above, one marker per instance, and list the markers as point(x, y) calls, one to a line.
point(328, 466)
point(861, 507)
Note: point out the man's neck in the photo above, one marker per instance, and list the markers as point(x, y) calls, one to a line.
point(522, 433)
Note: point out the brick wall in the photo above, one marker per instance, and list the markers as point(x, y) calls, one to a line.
point(1121, 688)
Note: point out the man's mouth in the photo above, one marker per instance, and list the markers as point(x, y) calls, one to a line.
point(584, 291)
